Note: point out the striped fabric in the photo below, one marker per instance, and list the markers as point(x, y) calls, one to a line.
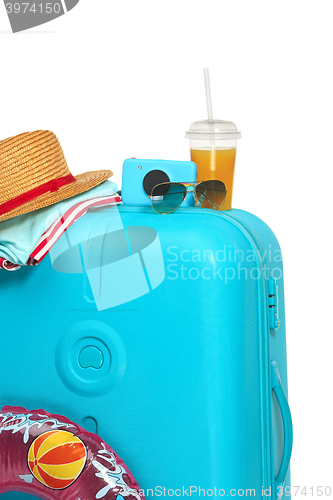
point(9, 266)
point(53, 233)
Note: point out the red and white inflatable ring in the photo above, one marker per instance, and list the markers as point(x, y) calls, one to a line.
point(51, 457)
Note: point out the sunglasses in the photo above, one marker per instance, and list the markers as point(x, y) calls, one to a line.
point(168, 196)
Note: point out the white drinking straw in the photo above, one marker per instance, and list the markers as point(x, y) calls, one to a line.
point(209, 107)
point(208, 95)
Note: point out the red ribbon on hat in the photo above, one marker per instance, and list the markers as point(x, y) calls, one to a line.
point(50, 186)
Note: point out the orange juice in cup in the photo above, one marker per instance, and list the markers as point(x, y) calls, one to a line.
point(213, 147)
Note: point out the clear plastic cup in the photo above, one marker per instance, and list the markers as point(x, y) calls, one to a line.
point(213, 146)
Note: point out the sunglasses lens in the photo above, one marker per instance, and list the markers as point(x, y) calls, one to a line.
point(211, 194)
point(166, 197)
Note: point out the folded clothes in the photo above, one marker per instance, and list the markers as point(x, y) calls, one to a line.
point(27, 238)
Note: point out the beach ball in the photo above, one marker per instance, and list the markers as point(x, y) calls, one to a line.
point(57, 458)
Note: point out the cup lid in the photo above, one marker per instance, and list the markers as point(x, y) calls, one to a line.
point(217, 129)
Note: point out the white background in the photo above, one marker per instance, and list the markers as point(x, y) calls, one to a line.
point(116, 79)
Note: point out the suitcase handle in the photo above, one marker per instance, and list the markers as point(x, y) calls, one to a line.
point(287, 423)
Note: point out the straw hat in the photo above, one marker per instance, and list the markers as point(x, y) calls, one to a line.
point(34, 174)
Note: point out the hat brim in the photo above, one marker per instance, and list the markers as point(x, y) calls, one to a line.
point(83, 183)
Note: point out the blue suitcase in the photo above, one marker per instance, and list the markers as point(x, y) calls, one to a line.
point(166, 336)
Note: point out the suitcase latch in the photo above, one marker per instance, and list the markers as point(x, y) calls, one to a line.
point(273, 302)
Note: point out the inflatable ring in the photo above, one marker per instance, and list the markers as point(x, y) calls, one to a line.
point(51, 457)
